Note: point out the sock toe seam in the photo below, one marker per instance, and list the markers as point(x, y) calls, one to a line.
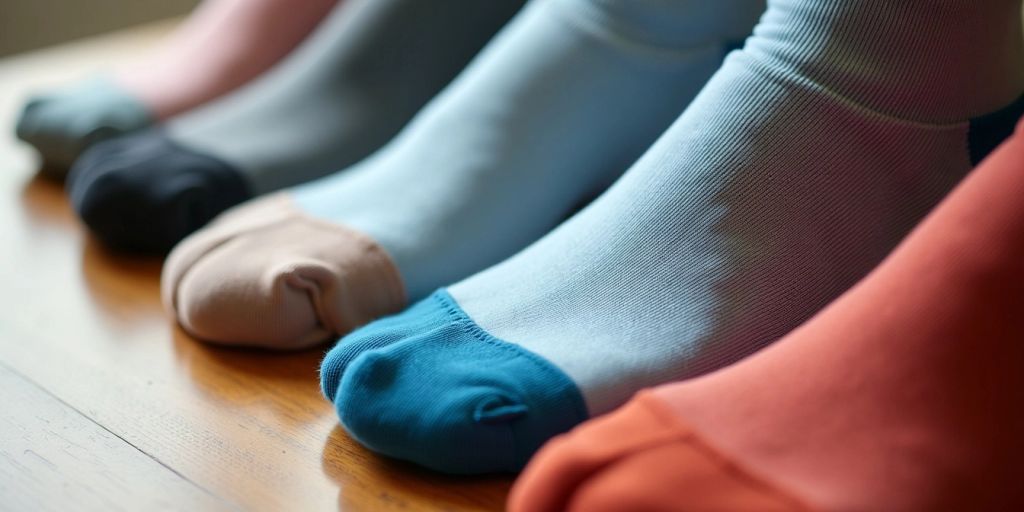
point(459, 317)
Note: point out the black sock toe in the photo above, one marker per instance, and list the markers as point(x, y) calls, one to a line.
point(144, 193)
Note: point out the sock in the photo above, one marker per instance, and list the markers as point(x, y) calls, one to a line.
point(791, 175)
point(342, 95)
point(222, 45)
point(904, 394)
point(558, 105)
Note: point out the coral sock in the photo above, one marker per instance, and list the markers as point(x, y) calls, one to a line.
point(904, 394)
point(222, 45)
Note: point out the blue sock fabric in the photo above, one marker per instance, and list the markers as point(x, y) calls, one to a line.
point(490, 421)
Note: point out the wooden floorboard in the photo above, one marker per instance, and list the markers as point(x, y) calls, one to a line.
point(86, 328)
point(52, 458)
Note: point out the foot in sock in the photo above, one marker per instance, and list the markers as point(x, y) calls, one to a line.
point(224, 44)
point(904, 394)
point(344, 94)
point(552, 111)
point(801, 164)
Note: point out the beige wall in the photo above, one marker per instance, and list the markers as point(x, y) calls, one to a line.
point(28, 24)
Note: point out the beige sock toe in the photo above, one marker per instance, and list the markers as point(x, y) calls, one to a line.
point(248, 217)
point(265, 274)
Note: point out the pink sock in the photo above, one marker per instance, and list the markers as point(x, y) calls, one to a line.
point(222, 45)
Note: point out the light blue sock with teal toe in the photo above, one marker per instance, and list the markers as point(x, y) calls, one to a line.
point(63, 124)
point(557, 106)
point(793, 173)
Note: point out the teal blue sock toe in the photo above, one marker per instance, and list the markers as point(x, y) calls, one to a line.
point(422, 317)
point(450, 396)
point(62, 125)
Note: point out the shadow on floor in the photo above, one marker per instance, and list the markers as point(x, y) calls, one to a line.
point(44, 199)
point(119, 282)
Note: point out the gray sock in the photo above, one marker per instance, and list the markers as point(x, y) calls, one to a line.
point(352, 86)
point(361, 78)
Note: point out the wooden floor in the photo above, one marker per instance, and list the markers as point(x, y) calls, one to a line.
point(106, 406)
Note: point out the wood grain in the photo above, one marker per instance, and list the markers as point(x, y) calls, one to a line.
point(86, 327)
point(46, 447)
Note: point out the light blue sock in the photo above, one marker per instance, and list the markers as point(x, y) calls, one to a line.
point(555, 108)
point(806, 158)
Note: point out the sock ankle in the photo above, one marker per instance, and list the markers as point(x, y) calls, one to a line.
point(865, 51)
